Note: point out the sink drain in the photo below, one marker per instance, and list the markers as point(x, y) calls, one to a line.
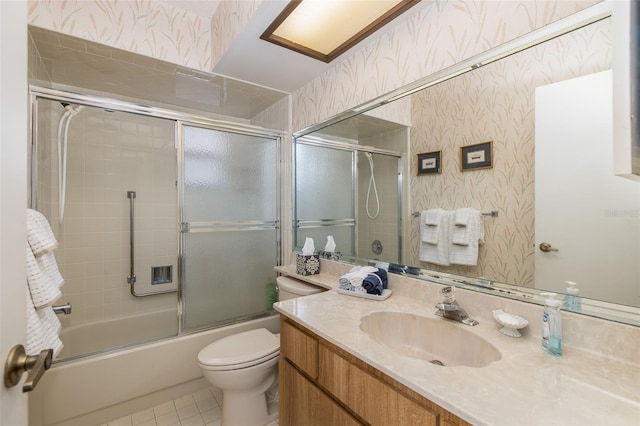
point(436, 362)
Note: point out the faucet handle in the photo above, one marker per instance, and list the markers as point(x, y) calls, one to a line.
point(448, 294)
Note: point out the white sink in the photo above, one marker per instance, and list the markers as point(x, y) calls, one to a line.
point(434, 340)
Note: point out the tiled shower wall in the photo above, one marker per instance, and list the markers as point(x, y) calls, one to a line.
point(110, 153)
point(384, 227)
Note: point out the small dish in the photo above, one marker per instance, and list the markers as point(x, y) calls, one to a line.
point(510, 323)
point(386, 293)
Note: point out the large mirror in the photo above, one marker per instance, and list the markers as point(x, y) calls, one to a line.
point(554, 210)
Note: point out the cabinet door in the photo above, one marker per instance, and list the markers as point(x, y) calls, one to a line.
point(302, 403)
point(368, 397)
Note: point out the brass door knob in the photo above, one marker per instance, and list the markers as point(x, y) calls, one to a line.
point(18, 362)
point(546, 247)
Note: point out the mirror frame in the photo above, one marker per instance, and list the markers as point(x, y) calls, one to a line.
point(590, 307)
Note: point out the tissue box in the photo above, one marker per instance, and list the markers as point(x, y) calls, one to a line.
point(307, 264)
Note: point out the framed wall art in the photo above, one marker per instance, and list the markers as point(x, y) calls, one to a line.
point(429, 163)
point(474, 157)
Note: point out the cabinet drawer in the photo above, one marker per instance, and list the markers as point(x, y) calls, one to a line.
point(367, 396)
point(299, 348)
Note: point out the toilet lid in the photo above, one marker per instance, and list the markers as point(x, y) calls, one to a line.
point(240, 350)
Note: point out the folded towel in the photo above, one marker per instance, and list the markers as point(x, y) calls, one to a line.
point(431, 218)
point(375, 282)
point(48, 262)
point(437, 253)
point(463, 215)
point(464, 247)
point(42, 289)
point(39, 233)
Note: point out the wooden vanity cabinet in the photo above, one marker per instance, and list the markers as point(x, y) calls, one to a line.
point(323, 385)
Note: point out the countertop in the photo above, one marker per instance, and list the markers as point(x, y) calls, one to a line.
point(526, 387)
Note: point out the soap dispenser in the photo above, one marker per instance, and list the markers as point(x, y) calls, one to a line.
point(551, 325)
point(572, 301)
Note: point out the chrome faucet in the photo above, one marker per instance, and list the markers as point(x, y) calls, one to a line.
point(450, 309)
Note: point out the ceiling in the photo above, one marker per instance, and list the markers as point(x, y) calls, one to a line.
point(260, 62)
point(273, 71)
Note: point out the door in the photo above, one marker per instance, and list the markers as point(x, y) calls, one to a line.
point(230, 230)
point(13, 197)
point(582, 218)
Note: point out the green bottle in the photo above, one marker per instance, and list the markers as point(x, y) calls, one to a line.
point(271, 295)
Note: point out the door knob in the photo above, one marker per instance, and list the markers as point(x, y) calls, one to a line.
point(546, 247)
point(18, 362)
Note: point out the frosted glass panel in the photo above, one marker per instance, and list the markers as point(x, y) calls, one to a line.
point(228, 176)
point(226, 274)
point(324, 186)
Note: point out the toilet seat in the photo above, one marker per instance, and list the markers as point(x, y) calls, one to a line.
point(240, 350)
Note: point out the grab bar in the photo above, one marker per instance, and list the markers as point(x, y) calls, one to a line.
point(131, 279)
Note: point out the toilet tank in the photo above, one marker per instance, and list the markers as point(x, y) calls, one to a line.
point(290, 288)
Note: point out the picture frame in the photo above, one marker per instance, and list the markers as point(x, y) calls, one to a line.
point(476, 157)
point(430, 163)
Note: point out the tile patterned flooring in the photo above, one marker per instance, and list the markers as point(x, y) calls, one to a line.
point(199, 409)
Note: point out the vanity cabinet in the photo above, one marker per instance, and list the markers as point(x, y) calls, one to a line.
point(321, 384)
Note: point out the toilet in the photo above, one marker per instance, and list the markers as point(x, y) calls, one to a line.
point(245, 366)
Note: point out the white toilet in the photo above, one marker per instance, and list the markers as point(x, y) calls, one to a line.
point(245, 365)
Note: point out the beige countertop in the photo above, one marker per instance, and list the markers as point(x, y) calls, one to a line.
point(525, 387)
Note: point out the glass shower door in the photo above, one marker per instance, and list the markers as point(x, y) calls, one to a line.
point(229, 227)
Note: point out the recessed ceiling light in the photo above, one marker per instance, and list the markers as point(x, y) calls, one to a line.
point(324, 29)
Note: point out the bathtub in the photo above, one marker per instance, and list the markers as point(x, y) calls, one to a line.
point(95, 389)
point(97, 336)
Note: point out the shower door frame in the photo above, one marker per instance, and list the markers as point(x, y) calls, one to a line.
point(354, 149)
point(180, 119)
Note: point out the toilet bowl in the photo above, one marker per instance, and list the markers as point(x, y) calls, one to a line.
point(245, 365)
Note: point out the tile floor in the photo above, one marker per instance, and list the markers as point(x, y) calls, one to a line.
point(199, 409)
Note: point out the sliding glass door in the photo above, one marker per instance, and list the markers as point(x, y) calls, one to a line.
point(229, 227)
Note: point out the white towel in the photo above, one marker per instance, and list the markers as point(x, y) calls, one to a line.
point(42, 330)
point(463, 234)
point(437, 253)
point(43, 290)
point(39, 233)
point(430, 232)
point(463, 215)
point(464, 246)
point(357, 274)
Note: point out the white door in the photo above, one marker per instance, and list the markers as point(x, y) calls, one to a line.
point(590, 215)
point(13, 196)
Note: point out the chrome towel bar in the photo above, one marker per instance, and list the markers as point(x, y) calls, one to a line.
point(131, 279)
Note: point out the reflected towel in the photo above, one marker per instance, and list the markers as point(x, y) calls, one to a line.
point(464, 248)
point(463, 235)
point(437, 253)
point(431, 232)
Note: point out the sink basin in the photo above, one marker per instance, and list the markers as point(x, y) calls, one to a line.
point(434, 340)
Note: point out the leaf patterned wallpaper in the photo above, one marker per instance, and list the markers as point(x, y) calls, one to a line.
point(147, 27)
point(438, 35)
point(495, 103)
point(226, 23)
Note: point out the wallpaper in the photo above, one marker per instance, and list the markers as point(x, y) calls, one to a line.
point(230, 17)
point(440, 33)
point(147, 27)
point(495, 103)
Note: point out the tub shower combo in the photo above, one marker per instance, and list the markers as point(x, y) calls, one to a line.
point(168, 230)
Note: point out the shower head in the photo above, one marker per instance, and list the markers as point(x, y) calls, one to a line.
point(70, 108)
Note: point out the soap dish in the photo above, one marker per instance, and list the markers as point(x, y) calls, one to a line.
point(511, 323)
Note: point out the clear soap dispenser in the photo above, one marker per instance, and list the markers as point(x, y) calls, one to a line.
point(551, 325)
point(572, 301)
